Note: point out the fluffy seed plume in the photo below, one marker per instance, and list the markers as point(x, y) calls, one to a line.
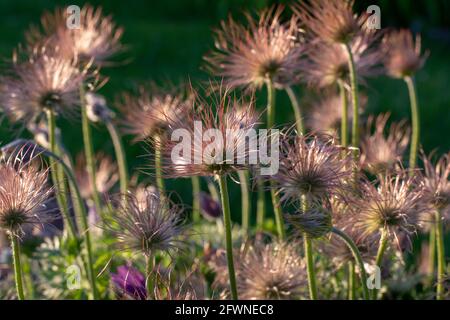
point(155, 226)
point(316, 222)
point(311, 167)
point(222, 153)
point(97, 38)
point(266, 49)
point(394, 203)
point(437, 183)
point(402, 53)
point(24, 192)
point(151, 111)
point(379, 152)
point(332, 21)
point(272, 272)
point(45, 80)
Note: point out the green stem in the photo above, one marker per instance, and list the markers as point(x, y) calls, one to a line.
point(351, 281)
point(260, 205)
point(440, 257)
point(415, 122)
point(57, 177)
point(195, 198)
point(120, 156)
point(83, 217)
point(89, 152)
point(379, 259)
point(158, 169)
point(432, 252)
point(271, 95)
point(358, 259)
point(307, 243)
point(17, 266)
point(297, 110)
point(245, 196)
point(355, 97)
point(150, 276)
point(344, 121)
point(228, 237)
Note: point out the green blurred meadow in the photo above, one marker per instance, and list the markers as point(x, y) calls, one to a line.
point(166, 41)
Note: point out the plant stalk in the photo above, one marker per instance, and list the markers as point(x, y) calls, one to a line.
point(344, 120)
point(195, 198)
point(415, 135)
point(245, 198)
point(158, 166)
point(228, 237)
point(440, 257)
point(297, 110)
point(120, 156)
point(17, 266)
point(379, 259)
point(307, 244)
point(355, 98)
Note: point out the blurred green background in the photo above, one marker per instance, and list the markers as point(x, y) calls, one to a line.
point(167, 39)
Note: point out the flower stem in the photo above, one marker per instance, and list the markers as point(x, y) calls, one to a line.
point(89, 152)
point(351, 294)
point(415, 122)
point(440, 257)
point(228, 237)
point(83, 217)
point(245, 196)
point(307, 243)
point(379, 259)
point(297, 110)
point(57, 177)
point(195, 198)
point(17, 266)
point(355, 98)
point(344, 120)
point(270, 123)
point(260, 205)
point(358, 259)
point(432, 252)
point(120, 156)
point(158, 169)
point(150, 276)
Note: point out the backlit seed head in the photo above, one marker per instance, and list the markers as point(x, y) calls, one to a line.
point(231, 118)
point(97, 38)
point(152, 111)
point(272, 272)
point(379, 152)
point(316, 222)
point(46, 80)
point(24, 193)
point(327, 64)
point(106, 175)
point(97, 109)
point(393, 203)
point(332, 21)
point(312, 167)
point(155, 226)
point(267, 49)
point(437, 184)
point(402, 53)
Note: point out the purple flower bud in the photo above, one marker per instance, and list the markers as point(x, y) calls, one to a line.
point(210, 208)
point(129, 281)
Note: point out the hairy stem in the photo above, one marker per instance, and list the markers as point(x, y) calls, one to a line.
point(17, 266)
point(275, 199)
point(260, 205)
point(358, 259)
point(432, 252)
point(245, 196)
point(57, 177)
point(120, 156)
point(150, 275)
point(355, 98)
point(344, 121)
point(195, 198)
point(351, 294)
point(89, 152)
point(440, 257)
point(415, 122)
point(297, 110)
point(307, 244)
point(158, 169)
point(379, 259)
point(228, 237)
